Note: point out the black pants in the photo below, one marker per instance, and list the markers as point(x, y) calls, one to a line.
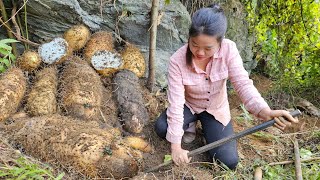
point(213, 130)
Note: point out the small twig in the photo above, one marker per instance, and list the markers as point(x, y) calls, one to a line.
point(290, 162)
point(6, 21)
point(297, 133)
point(101, 2)
point(104, 119)
point(120, 38)
point(297, 160)
point(22, 39)
point(14, 9)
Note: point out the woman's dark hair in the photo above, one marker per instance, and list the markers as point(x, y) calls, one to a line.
point(209, 21)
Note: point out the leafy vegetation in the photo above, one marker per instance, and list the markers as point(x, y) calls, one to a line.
point(287, 40)
point(6, 56)
point(26, 170)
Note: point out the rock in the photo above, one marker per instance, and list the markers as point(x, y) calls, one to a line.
point(308, 107)
point(131, 20)
point(49, 19)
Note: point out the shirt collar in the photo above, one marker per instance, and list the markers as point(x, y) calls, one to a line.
point(218, 54)
point(198, 70)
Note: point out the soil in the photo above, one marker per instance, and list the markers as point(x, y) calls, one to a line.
point(259, 149)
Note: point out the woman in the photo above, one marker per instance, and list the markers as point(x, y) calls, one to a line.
point(197, 78)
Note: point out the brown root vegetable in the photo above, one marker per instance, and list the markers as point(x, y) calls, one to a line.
point(133, 60)
point(12, 89)
point(83, 146)
point(29, 61)
point(81, 90)
point(42, 97)
point(138, 143)
point(130, 102)
point(77, 36)
point(106, 63)
point(55, 52)
point(98, 41)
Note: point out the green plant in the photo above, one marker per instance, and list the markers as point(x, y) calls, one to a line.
point(245, 116)
point(6, 56)
point(264, 136)
point(26, 170)
point(287, 40)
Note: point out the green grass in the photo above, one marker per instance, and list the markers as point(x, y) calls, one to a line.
point(245, 116)
point(24, 169)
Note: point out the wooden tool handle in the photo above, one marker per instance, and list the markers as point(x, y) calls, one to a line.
point(212, 145)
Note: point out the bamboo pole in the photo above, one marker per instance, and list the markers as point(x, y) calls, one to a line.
point(290, 162)
point(153, 44)
point(258, 174)
point(297, 161)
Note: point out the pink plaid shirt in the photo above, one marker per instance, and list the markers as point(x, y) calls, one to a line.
point(206, 90)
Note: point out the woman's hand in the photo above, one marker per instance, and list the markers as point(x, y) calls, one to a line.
point(179, 155)
point(282, 117)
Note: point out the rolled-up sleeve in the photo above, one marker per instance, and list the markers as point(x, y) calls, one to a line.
point(239, 78)
point(176, 100)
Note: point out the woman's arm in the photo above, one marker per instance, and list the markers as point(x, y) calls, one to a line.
point(176, 100)
point(248, 94)
point(175, 120)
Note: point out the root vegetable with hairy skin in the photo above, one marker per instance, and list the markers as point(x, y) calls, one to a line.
point(130, 102)
point(99, 41)
point(42, 97)
point(77, 36)
point(81, 90)
point(82, 145)
point(55, 52)
point(29, 61)
point(138, 143)
point(106, 63)
point(12, 89)
point(133, 60)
